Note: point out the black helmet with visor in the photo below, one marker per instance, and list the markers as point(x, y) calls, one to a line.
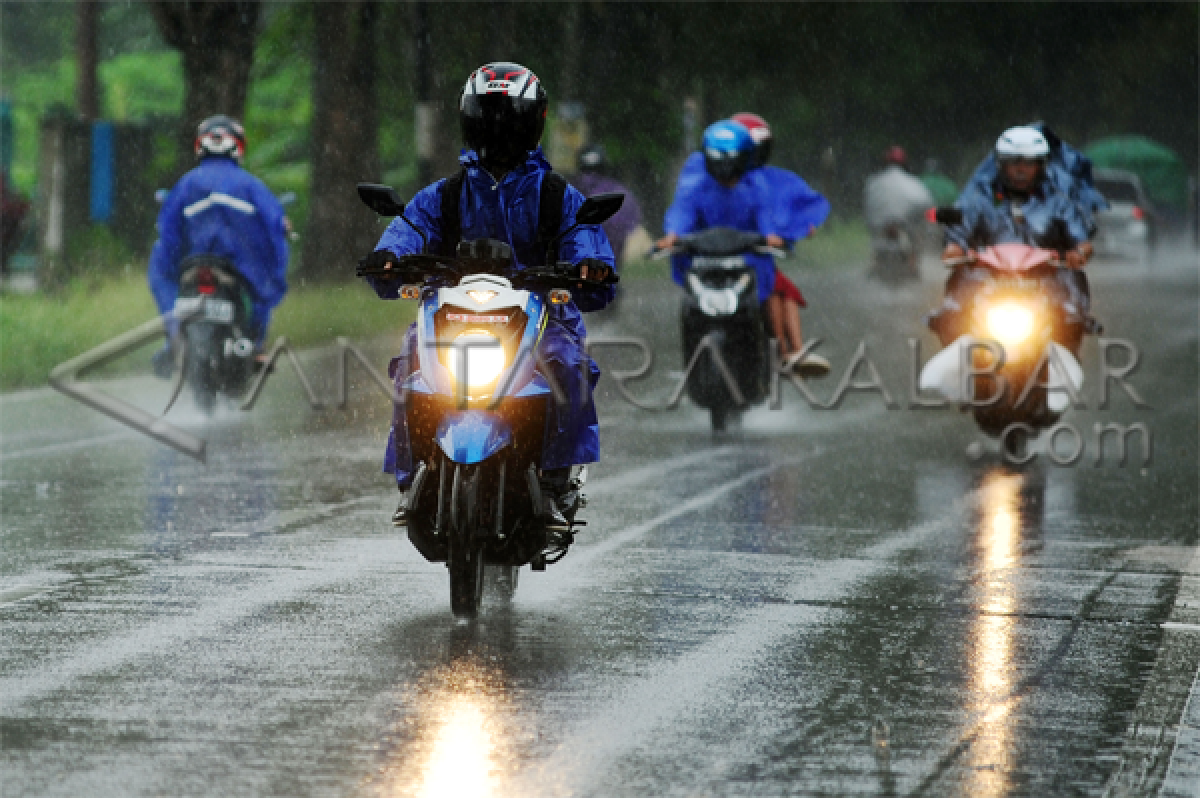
point(503, 113)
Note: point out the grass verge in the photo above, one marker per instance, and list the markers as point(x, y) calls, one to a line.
point(40, 331)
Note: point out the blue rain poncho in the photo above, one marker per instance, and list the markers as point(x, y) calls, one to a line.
point(766, 200)
point(220, 209)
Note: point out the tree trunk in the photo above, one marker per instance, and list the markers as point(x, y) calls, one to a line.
point(87, 98)
point(344, 134)
point(217, 42)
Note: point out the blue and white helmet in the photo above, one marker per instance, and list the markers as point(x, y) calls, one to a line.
point(728, 150)
point(1022, 142)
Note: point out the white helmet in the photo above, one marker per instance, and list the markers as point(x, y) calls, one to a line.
point(1022, 142)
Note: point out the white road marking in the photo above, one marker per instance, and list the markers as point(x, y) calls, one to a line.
point(340, 565)
point(18, 593)
point(658, 469)
point(1183, 770)
point(65, 446)
point(632, 717)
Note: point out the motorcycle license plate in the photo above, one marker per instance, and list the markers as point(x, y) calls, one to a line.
point(217, 310)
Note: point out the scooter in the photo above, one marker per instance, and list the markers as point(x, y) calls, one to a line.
point(1011, 351)
point(476, 406)
point(218, 350)
point(722, 317)
point(895, 260)
point(216, 344)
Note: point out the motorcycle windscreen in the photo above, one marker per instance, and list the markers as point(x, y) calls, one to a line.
point(470, 437)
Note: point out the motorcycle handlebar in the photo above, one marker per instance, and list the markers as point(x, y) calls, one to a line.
point(420, 268)
point(971, 258)
point(657, 254)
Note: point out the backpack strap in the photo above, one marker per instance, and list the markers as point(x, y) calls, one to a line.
point(550, 213)
point(451, 217)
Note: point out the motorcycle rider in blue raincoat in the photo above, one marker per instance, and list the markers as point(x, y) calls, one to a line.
point(1020, 204)
point(502, 111)
point(220, 209)
point(1068, 170)
point(729, 185)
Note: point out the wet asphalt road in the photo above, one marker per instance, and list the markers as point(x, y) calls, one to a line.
point(823, 602)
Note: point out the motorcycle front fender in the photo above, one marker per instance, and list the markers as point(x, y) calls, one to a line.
point(470, 437)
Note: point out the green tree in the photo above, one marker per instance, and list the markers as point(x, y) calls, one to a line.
point(217, 42)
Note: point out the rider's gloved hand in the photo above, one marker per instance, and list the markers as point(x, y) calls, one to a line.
point(667, 242)
point(774, 240)
point(1079, 256)
point(380, 259)
point(952, 253)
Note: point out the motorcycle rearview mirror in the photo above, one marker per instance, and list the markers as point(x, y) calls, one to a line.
point(287, 198)
point(948, 216)
point(385, 201)
point(595, 210)
point(599, 208)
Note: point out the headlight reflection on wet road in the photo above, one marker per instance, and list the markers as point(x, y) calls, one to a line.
point(458, 749)
point(991, 678)
point(460, 761)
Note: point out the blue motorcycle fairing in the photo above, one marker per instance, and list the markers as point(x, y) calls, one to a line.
point(538, 387)
point(416, 384)
point(470, 437)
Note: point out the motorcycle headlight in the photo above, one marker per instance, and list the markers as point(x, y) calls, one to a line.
point(486, 358)
point(1009, 324)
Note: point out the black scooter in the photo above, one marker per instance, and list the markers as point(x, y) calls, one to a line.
point(725, 342)
point(217, 344)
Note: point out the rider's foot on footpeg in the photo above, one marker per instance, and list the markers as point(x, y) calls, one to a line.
point(812, 366)
point(400, 517)
point(553, 518)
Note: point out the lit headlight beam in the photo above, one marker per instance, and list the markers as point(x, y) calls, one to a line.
point(481, 354)
point(1010, 324)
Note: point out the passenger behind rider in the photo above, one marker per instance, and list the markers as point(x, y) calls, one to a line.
point(502, 110)
point(1018, 206)
point(730, 185)
point(220, 209)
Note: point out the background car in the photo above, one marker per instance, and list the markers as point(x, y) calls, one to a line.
point(1128, 228)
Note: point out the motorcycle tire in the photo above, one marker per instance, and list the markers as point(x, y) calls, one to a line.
point(500, 582)
point(720, 419)
point(465, 562)
point(204, 393)
point(1016, 446)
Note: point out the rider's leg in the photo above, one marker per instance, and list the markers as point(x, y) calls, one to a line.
point(398, 458)
point(791, 321)
point(788, 301)
point(572, 429)
point(778, 328)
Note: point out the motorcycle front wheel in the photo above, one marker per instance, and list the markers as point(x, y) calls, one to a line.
point(500, 582)
point(465, 561)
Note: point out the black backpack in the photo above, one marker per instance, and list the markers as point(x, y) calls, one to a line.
point(554, 188)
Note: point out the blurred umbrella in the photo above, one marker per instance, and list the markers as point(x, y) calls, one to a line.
point(1163, 173)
